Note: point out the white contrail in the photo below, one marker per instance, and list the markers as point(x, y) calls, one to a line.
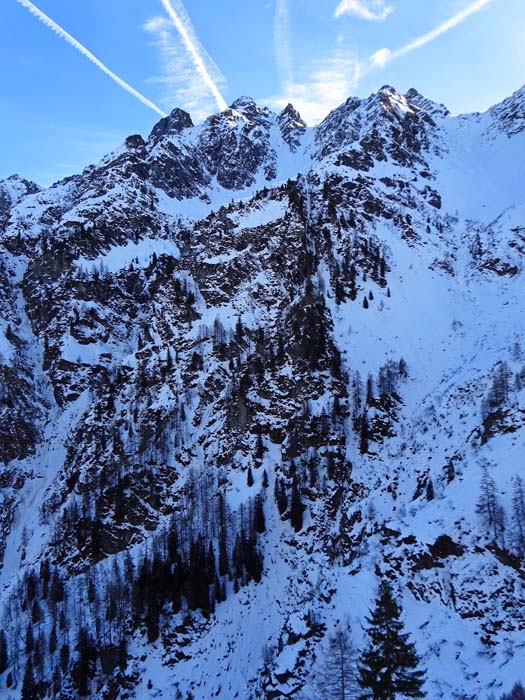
point(85, 52)
point(184, 27)
point(281, 36)
point(384, 56)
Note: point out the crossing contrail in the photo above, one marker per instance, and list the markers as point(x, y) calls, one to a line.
point(183, 25)
point(85, 52)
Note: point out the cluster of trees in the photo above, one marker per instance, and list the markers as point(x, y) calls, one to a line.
point(310, 331)
point(290, 501)
point(45, 624)
point(314, 461)
point(504, 532)
point(498, 393)
point(308, 326)
point(61, 634)
point(378, 395)
point(503, 383)
point(387, 668)
point(196, 574)
point(371, 260)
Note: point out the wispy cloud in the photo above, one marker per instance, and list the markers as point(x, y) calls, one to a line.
point(384, 56)
point(179, 85)
point(316, 88)
point(372, 10)
point(326, 84)
point(330, 82)
point(57, 29)
point(198, 55)
point(282, 42)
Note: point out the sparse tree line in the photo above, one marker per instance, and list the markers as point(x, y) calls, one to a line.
point(364, 255)
point(504, 531)
point(380, 395)
point(64, 638)
point(504, 383)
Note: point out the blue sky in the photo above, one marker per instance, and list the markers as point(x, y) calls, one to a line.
point(62, 112)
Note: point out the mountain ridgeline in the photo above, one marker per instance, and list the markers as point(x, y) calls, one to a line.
point(252, 372)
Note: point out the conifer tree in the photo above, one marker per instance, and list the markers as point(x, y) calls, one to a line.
point(336, 677)
point(363, 435)
point(339, 290)
point(281, 498)
point(259, 523)
point(353, 288)
point(28, 684)
point(84, 668)
point(369, 390)
point(4, 658)
point(388, 667)
point(152, 613)
point(296, 507)
point(30, 640)
point(259, 448)
point(518, 516)
point(490, 509)
point(64, 658)
point(224, 564)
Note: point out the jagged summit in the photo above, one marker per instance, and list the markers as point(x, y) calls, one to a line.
point(387, 91)
point(292, 126)
point(242, 104)
point(169, 126)
point(290, 114)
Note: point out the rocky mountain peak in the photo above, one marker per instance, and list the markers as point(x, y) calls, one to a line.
point(250, 110)
point(290, 114)
point(291, 125)
point(385, 126)
point(391, 101)
point(244, 104)
point(169, 126)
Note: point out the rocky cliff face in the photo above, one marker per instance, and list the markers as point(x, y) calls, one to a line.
point(247, 368)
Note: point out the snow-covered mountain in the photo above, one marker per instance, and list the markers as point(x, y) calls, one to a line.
point(247, 370)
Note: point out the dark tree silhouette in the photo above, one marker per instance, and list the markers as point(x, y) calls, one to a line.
point(490, 509)
point(388, 667)
point(336, 677)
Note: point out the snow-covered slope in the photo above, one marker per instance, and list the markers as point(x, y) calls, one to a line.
point(252, 317)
